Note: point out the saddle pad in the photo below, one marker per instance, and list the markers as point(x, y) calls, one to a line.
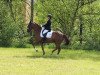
point(49, 34)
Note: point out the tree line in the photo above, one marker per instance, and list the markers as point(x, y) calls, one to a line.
point(79, 19)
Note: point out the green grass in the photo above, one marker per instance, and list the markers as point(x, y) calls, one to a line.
point(25, 61)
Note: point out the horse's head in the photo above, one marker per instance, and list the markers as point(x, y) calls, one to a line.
point(33, 26)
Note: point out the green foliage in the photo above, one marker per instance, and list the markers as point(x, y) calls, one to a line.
point(68, 16)
point(12, 26)
point(7, 29)
point(61, 11)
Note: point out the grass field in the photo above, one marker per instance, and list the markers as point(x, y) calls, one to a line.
point(25, 61)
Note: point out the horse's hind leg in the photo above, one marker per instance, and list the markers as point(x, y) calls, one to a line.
point(59, 49)
point(43, 49)
point(54, 50)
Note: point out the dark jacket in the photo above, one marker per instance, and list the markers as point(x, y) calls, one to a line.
point(47, 26)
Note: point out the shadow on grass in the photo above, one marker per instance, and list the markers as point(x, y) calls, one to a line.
point(41, 56)
point(59, 57)
point(46, 56)
point(73, 55)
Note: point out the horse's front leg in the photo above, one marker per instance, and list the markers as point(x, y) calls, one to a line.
point(31, 41)
point(43, 49)
point(34, 48)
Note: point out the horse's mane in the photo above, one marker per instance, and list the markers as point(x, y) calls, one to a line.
point(37, 25)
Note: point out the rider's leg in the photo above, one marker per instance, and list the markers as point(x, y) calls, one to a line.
point(44, 35)
point(44, 38)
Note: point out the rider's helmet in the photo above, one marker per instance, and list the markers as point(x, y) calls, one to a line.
point(49, 15)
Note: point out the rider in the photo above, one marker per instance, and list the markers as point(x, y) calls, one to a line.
point(47, 27)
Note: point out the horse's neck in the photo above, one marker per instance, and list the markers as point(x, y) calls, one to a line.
point(37, 30)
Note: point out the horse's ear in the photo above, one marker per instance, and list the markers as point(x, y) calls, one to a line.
point(30, 21)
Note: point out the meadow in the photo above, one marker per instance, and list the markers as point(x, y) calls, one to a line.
point(25, 61)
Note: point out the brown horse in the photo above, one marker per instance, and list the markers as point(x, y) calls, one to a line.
point(57, 37)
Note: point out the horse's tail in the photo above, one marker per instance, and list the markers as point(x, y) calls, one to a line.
point(66, 39)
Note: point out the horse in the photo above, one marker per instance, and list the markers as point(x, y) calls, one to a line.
point(57, 37)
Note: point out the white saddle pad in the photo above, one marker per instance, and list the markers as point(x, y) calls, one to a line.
point(49, 34)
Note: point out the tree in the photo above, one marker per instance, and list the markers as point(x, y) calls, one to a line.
point(66, 14)
point(32, 9)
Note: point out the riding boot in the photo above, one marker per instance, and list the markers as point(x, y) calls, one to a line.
point(44, 38)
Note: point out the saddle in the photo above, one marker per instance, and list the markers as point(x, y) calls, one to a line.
point(48, 33)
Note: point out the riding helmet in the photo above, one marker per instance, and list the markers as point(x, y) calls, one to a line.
point(49, 15)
